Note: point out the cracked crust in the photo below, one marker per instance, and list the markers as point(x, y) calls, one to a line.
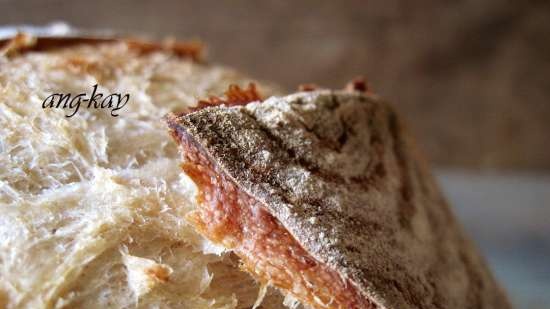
point(339, 172)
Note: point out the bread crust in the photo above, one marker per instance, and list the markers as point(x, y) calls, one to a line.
point(343, 176)
point(23, 43)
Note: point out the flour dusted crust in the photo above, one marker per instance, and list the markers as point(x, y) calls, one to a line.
point(340, 173)
point(91, 207)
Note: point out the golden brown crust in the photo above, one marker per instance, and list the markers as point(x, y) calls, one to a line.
point(191, 50)
point(22, 43)
point(341, 174)
point(233, 96)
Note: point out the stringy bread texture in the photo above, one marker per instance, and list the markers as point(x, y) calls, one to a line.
point(92, 207)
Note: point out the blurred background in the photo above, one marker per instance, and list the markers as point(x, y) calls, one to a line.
point(471, 77)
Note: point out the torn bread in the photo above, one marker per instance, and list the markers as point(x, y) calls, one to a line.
point(323, 195)
point(91, 207)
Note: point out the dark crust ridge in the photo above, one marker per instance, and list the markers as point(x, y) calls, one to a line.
point(339, 171)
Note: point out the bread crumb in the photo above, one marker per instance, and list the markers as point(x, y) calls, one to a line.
point(144, 274)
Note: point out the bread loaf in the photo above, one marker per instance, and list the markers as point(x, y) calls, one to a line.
point(324, 195)
point(321, 194)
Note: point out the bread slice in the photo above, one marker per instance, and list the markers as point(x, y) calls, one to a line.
point(323, 195)
point(91, 207)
